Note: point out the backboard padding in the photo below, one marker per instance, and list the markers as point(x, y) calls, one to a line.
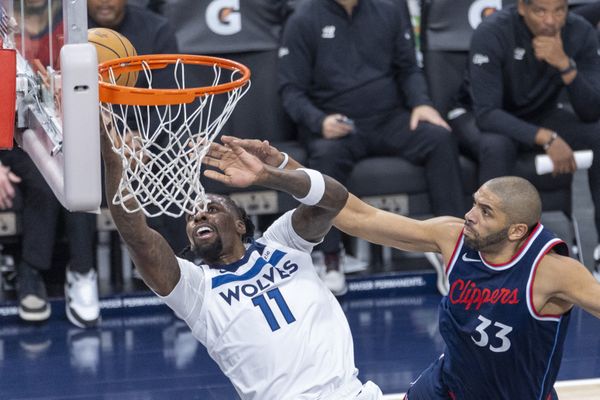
point(57, 95)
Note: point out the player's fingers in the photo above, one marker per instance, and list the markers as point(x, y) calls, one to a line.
point(217, 176)
point(228, 138)
point(236, 148)
point(211, 161)
point(216, 150)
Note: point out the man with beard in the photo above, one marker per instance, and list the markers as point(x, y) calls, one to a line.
point(512, 288)
point(525, 62)
point(253, 305)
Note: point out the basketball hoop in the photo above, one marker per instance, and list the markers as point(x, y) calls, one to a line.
point(162, 158)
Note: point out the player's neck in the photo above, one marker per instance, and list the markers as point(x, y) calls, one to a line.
point(228, 256)
point(503, 253)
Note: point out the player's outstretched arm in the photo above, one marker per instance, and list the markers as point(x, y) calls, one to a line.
point(388, 229)
point(564, 281)
point(153, 257)
point(321, 196)
point(367, 222)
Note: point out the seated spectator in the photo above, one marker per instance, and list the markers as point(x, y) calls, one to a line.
point(350, 81)
point(39, 216)
point(521, 60)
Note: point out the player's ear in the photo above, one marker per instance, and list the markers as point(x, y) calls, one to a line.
point(517, 232)
point(240, 227)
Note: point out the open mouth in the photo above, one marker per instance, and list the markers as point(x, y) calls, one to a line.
point(204, 232)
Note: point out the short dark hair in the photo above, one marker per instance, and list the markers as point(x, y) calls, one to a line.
point(519, 199)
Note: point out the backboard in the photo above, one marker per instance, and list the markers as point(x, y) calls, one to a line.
point(57, 95)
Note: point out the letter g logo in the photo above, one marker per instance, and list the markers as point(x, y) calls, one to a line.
point(223, 17)
point(482, 8)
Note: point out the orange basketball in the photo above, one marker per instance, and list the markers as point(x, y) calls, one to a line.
point(110, 45)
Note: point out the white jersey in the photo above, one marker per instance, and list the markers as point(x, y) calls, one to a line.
point(269, 322)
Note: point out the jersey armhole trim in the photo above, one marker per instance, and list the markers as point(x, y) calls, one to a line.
point(532, 310)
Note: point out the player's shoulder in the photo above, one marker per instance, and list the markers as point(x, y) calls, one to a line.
point(557, 264)
point(448, 224)
point(446, 231)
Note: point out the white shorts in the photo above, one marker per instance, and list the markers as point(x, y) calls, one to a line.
point(370, 391)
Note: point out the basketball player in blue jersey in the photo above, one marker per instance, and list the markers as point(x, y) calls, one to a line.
point(512, 288)
point(261, 310)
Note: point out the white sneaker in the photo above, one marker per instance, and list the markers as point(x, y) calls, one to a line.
point(336, 282)
point(81, 298)
point(435, 259)
point(596, 270)
point(350, 264)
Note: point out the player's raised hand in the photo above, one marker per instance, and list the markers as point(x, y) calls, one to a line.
point(262, 149)
point(238, 167)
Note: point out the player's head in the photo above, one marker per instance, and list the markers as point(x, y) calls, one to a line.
point(544, 17)
point(504, 210)
point(107, 13)
point(219, 230)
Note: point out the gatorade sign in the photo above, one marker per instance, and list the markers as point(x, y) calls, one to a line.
point(223, 17)
point(480, 9)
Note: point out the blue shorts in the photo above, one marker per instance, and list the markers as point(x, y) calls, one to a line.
point(430, 385)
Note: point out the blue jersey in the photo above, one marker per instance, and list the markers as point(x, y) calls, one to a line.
point(498, 344)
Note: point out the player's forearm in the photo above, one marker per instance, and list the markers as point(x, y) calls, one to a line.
point(131, 226)
point(299, 184)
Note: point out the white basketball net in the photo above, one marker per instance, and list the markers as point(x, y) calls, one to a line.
point(161, 160)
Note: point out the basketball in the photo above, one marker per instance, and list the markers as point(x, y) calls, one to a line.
point(111, 45)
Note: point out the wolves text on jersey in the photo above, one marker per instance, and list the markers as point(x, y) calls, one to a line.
point(267, 279)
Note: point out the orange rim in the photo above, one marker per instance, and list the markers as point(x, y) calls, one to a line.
point(117, 94)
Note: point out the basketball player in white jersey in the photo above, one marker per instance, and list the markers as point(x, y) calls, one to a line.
point(265, 317)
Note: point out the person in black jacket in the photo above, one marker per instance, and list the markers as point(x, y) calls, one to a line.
point(350, 81)
point(522, 59)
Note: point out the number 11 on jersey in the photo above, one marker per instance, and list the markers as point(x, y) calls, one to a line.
point(262, 303)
